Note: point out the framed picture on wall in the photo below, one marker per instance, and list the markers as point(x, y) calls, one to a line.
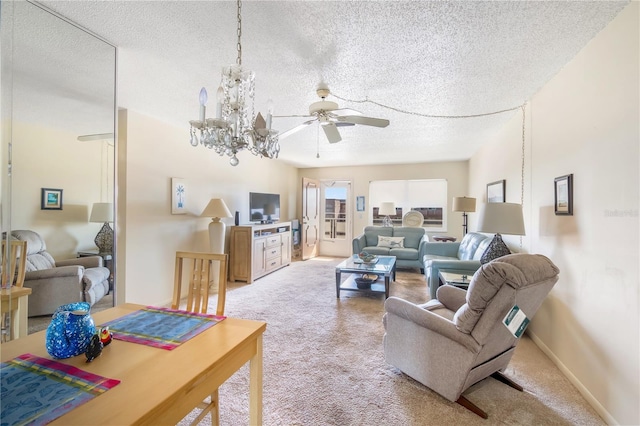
point(563, 195)
point(50, 199)
point(360, 203)
point(496, 191)
point(178, 196)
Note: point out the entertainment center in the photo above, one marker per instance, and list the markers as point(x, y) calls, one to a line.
point(258, 249)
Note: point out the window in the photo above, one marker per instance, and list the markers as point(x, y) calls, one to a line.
point(428, 196)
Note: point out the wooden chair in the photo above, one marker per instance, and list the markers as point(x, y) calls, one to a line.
point(13, 270)
point(199, 269)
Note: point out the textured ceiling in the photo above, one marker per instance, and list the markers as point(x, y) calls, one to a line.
point(434, 58)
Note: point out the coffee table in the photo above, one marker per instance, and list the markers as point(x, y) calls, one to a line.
point(384, 267)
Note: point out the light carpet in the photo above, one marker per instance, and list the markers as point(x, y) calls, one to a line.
point(324, 363)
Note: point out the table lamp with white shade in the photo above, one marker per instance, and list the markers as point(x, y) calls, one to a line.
point(103, 213)
point(387, 209)
point(216, 209)
point(500, 218)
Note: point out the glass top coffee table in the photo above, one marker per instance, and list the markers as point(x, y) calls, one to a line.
point(364, 275)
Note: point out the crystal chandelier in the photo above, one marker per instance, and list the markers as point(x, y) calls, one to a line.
point(235, 126)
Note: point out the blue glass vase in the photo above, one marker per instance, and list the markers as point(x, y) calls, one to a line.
point(70, 330)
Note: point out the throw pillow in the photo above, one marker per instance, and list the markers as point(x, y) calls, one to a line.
point(391, 242)
point(497, 248)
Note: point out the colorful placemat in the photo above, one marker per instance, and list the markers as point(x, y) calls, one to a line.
point(161, 327)
point(37, 390)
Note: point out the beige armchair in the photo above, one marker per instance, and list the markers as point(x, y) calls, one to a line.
point(452, 342)
point(55, 283)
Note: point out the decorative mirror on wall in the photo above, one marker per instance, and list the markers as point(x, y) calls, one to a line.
point(58, 127)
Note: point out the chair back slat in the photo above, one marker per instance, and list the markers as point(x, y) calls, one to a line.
point(13, 268)
point(198, 268)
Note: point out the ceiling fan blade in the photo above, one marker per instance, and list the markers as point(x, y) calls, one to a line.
point(345, 111)
point(367, 121)
point(330, 129)
point(294, 130)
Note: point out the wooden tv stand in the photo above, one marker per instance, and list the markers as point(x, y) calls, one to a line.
point(257, 250)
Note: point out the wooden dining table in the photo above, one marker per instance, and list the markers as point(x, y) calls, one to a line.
point(158, 386)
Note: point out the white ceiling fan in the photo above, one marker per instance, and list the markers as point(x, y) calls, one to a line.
point(330, 117)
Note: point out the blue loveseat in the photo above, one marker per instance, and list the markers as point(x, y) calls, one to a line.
point(460, 257)
point(409, 256)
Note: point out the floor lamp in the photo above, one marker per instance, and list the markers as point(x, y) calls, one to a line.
point(216, 209)
point(464, 205)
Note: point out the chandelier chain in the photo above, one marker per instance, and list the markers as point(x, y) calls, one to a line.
point(239, 45)
point(404, 111)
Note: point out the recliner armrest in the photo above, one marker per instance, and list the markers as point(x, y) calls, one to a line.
point(62, 271)
point(87, 262)
point(451, 297)
point(429, 320)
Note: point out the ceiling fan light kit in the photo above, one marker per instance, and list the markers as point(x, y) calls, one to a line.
point(235, 126)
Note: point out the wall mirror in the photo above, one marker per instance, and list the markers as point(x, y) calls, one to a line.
point(58, 127)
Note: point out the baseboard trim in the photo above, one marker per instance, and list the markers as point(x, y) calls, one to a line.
point(602, 412)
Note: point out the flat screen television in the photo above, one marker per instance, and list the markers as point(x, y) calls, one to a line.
point(264, 208)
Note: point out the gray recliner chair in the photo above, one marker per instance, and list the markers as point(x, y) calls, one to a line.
point(450, 343)
point(57, 283)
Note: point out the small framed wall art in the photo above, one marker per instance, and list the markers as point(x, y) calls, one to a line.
point(563, 195)
point(360, 203)
point(496, 191)
point(178, 196)
point(50, 199)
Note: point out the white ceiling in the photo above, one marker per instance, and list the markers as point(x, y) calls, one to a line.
point(425, 57)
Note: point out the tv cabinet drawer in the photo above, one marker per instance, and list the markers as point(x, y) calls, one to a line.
point(271, 252)
point(273, 263)
point(273, 240)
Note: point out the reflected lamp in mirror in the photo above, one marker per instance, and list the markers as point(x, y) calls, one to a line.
point(216, 210)
point(500, 218)
point(387, 209)
point(103, 213)
point(464, 205)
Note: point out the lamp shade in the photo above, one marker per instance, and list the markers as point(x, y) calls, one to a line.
point(101, 212)
point(501, 218)
point(387, 209)
point(464, 204)
point(216, 208)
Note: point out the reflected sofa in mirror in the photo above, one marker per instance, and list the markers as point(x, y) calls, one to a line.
point(58, 95)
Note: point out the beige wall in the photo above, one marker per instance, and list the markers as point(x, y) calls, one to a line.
point(44, 157)
point(454, 172)
point(584, 121)
point(151, 153)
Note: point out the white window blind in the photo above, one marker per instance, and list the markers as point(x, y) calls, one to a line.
point(429, 196)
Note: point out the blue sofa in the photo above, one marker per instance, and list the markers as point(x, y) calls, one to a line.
point(409, 256)
point(460, 257)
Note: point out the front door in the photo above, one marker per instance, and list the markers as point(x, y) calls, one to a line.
point(310, 217)
point(335, 224)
